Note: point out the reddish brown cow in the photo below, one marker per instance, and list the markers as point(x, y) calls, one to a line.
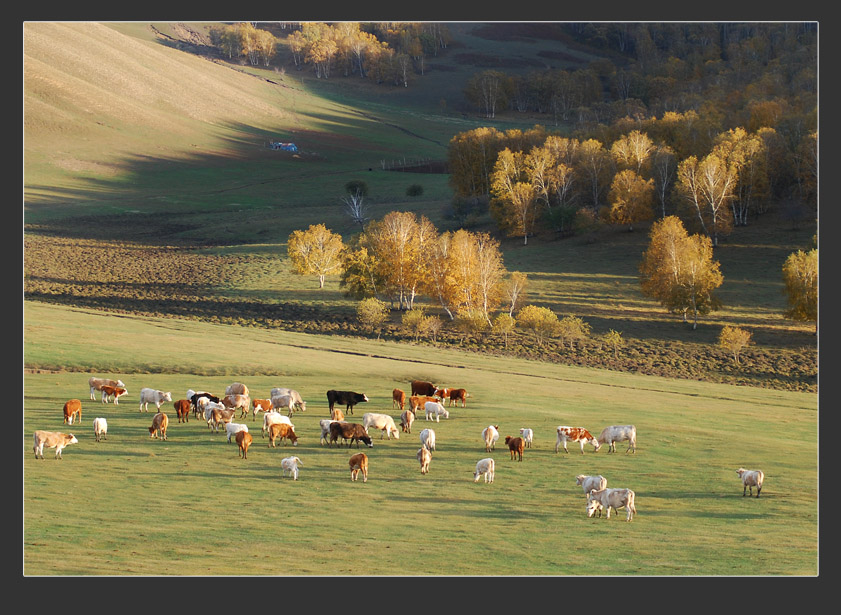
point(182, 410)
point(398, 397)
point(516, 446)
point(72, 408)
point(159, 424)
point(109, 392)
point(357, 463)
point(282, 430)
point(243, 442)
point(417, 402)
point(458, 395)
point(420, 387)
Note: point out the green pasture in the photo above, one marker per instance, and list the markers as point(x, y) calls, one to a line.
point(190, 506)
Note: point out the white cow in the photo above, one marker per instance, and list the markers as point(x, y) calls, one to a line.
point(750, 479)
point(484, 467)
point(153, 396)
point(380, 421)
point(528, 436)
point(272, 417)
point(208, 407)
point(427, 439)
point(297, 400)
point(325, 429)
point(598, 499)
point(290, 464)
point(237, 388)
point(618, 433)
point(95, 384)
point(232, 429)
point(100, 428)
point(435, 409)
point(51, 439)
point(588, 483)
point(490, 435)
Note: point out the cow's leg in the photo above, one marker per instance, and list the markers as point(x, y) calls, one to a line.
point(758, 489)
point(744, 489)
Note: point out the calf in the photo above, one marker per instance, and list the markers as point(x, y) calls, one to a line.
point(270, 418)
point(427, 439)
point(424, 456)
point(261, 405)
point(574, 434)
point(51, 439)
point(182, 410)
point(244, 440)
point(159, 424)
point(398, 398)
point(232, 429)
point(421, 387)
point(219, 417)
point(435, 409)
point(418, 402)
point(751, 479)
point(484, 467)
point(598, 499)
point(490, 435)
point(528, 436)
point(196, 401)
point(325, 429)
point(96, 384)
point(100, 429)
point(347, 398)
point(337, 415)
point(515, 445)
point(297, 401)
point(290, 464)
point(72, 407)
point(352, 432)
point(282, 431)
point(236, 401)
point(457, 395)
point(588, 483)
point(407, 417)
point(359, 463)
point(618, 433)
point(115, 393)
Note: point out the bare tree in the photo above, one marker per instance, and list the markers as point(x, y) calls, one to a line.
point(356, 208)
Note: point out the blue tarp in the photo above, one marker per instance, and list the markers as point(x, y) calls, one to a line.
point(287, 147)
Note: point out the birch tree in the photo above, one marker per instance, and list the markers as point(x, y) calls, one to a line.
point(316, 251)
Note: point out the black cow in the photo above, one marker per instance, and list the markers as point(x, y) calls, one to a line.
point(194, 400)
point(350, 432)
point(348, 398)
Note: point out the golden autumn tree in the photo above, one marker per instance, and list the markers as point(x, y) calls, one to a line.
point(734, 340)
point(707, 187)
point(514, 206)
point(678, 270)
point(800, 277)
point(540, 321)
point(316, 251)
point(631, 198)
point(633, 151)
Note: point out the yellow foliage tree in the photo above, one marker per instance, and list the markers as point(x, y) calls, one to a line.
point(800, 277)
point(316, 251)
point(734, 340)
point(631, 199)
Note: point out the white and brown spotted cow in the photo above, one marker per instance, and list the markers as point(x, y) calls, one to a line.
point(574, 434)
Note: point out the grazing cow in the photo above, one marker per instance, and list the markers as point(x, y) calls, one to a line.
point(574, 434)
point(418, 402)
point(597, 499)
point(297, 400)
point(115, 393)
point(352, 432)
point(515, 445)
point(484, 467)
point(153, 396)
point(96, 384)
point(407, 417)
point(237, 388)
point(427, 439)
point(398, 398)
point(51, 439)
point(100, 429)
point(359, 463)
point(434, 408)
point(618, 433)
point(196, 400)
point(325, 429)
point(282, 431)
point(751, 479)
point(219, 417)
point(420, 387)
point(244, 440)
point(72, 407)
point(261, 405)
point(271, 418)
point(232, 429)
point(528, 436)
point(208, 407)
point(380, 421)
point(290, 464)
point(182, 410)
point(490, 435)
point(588, 483)
point(236, 401)
point(346, 398)
point(159, 424)
point(453, 395)
point(425, 457)
point(337, 415)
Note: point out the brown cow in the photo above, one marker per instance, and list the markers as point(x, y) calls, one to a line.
point(424, 456)
point(398, 397)
point(406, 419)
point(72, 408)
point(232, 402)
point(337, 415)
point(458, 395)
point(182, 410)
point(352, 432)
point(417, 402)
point(159, 424)
point(516, 446)
point(420, 387)
point(243, 442)
point(109, 392)
point(219, 417)
point(52, 439)
point(282, 430)
point(357, 463)
point(261, 405)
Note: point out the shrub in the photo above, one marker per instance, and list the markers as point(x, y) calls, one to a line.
point(414, 190)
point(372, 313)
point(733, 340)
point(357, 186)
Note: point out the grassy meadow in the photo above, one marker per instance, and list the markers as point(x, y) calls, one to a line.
point(156, 499)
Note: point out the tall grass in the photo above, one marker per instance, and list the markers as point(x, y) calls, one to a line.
point(142, 506)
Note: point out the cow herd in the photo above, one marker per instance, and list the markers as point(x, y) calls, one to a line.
point(425, 397)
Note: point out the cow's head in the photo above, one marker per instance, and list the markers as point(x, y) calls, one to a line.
point(595, 443)
point(367, 440)
point(395, 433)
point(72, 439)
point(364, 397)
point(593, 506)
point(168, 396)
